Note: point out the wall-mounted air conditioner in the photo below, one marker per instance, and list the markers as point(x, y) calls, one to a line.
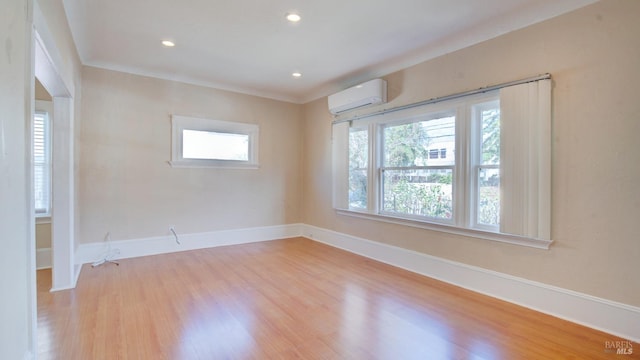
point(370, 93)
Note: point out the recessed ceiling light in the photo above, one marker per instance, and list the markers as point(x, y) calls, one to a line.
point(293, 17)
point(168, 43)
point(296, 74)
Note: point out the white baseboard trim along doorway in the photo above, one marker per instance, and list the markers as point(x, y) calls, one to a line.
point(609, 316)
point(43, 258)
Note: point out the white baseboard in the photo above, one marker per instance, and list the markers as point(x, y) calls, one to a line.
point(63, 288)
point(43, 258)
point(76, 270)
point(89, 253)
point(609, 316)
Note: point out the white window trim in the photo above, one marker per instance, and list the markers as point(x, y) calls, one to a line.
point(450, 229)
point(464, 225)
point(180, 123)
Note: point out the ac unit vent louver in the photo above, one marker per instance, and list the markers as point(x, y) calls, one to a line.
point(369, 93)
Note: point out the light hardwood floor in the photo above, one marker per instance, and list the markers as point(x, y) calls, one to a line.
point(290, 299)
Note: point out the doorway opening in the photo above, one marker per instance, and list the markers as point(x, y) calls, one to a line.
point(42, 124)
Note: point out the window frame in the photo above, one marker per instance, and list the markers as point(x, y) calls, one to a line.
point(44, 108)
point(524, 169)
point(463, 154)
point(369, 164)
point(433, 113)
point(467, 157)
point(180, 123)
point(476, 163)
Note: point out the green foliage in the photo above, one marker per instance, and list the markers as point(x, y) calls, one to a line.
point(358, 161)
point(489, 207)
point(489, 197)
point(422, 199)
point(491, 136)
point(404, 144)
point(358, 149)
point(440, 178)
point(358, 189)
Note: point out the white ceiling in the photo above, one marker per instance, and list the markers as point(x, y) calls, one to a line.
point(248, 46)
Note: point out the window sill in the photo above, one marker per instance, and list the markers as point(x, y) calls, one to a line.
point(479, 234)
point(211, 164)
point(44, 219)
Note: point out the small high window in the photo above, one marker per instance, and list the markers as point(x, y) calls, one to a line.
point(213, 143)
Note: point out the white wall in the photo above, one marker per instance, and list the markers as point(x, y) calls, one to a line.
point(128, 189)
point(17, 258)
point(16, 219)
point(593, 55)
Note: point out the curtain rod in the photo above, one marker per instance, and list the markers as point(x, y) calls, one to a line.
point(447, 97)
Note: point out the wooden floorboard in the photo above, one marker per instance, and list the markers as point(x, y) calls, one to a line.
point(291, 299)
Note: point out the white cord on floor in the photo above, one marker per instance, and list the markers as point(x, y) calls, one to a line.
point(110, 255)
point(175, 235)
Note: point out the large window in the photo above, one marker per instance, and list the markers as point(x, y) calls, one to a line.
point(213, 143)
point(444, 164)
point(42, 162)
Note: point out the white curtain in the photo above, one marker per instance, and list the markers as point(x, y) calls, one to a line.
point(525, 159)
point(340, 164)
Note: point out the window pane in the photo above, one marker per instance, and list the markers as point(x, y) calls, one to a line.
point(41, 176)
point(214, 145)
point(489, 197)
point(41, 161)
point(420, 143)
point(490, 136)
point(419, 192)
point(358, 163)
